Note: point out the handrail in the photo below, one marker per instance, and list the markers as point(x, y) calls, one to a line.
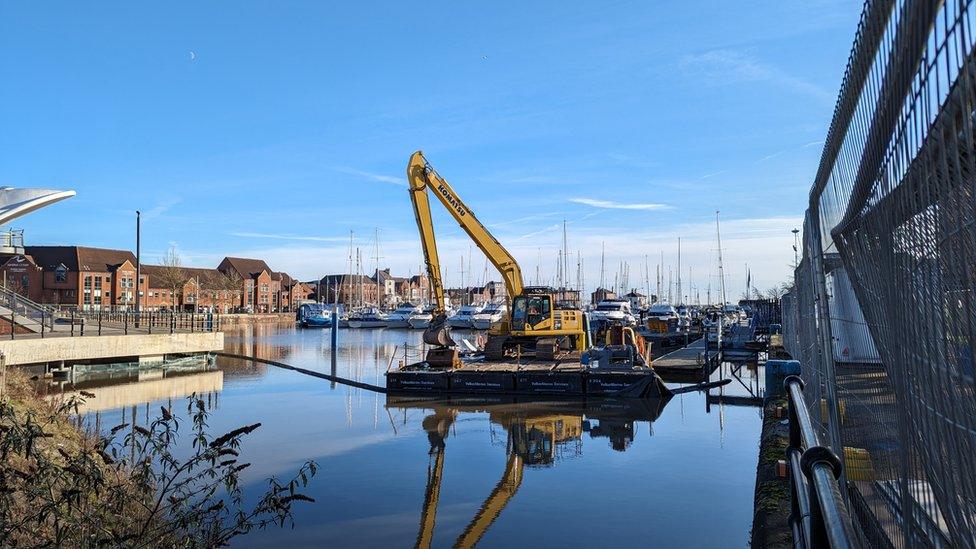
point(25, 307)
point(819, 515)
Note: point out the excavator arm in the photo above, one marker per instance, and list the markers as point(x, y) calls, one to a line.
point(492, 507)
point(421, 176)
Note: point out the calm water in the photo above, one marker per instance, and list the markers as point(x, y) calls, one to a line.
point(679, 473)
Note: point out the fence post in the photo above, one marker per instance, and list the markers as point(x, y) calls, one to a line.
point(150, 321)
point(72, 323)
point(13, 326)
point(99, 322)
point(193, 319)
point(172, 321)
point(125, 322)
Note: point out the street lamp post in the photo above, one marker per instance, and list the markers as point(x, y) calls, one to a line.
point(138, 263)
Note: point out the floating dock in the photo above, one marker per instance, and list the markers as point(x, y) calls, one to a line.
point(528, 377)
point(692, 363)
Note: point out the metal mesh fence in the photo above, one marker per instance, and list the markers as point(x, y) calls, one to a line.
point(883, 315)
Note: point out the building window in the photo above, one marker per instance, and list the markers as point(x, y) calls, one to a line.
point(61, 273)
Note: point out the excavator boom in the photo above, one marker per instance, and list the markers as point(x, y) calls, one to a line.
point(536, 321)
point(421, 176)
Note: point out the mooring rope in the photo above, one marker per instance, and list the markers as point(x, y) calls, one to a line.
point(336, 379)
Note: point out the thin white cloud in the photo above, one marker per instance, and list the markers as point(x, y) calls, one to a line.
point(784, 151)
point(380, 178)
point(286, 236)
point(160, 208)
point(611, 205)
point(711, 174)
point(724, 66)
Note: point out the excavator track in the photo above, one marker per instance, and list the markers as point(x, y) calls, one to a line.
point(495, 347)
point(546, 348)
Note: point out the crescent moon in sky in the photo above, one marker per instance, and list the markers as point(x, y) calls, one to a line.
point(193, 55)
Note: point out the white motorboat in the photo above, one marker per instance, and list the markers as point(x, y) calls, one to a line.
point(400, 317)
point(662, 311)
point(491, 314)
point(370, 317)
point(420, 320)
point(613, 310)
point(462, 318)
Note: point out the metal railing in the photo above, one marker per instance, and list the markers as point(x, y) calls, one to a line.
point(24, 308)
point(74, 323)
point(142, 322)
point(819, 516)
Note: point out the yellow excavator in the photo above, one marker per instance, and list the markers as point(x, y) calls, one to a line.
point(532, 441)
point(536, 325)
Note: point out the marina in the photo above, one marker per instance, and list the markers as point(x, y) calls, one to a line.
point(435, 275)
point(370, 438)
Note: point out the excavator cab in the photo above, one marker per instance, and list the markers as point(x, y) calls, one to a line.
point(529, 311)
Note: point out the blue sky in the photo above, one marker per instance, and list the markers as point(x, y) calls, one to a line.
point(273, 129)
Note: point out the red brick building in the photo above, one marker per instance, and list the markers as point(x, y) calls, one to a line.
point(264, 290)
point(189, 289)
point(88, 278)
point(22, 275)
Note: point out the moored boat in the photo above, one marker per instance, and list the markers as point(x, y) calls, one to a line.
point(370, 317)
point(462, 318)
point(313, 315)
point(400, 317)
point(613, 310)
point(421, 319)
point(489, 315)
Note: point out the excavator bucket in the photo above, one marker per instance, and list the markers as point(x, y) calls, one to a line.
point(438, 332)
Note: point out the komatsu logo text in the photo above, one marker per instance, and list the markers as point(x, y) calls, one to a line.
point(451, 200)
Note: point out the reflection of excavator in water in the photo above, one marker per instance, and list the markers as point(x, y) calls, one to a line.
point(536, 324)
point(532, 441)
point(536, 433)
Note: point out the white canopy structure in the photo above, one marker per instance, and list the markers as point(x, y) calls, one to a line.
point(16, 203)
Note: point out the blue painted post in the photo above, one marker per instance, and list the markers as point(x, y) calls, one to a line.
point(335, 341)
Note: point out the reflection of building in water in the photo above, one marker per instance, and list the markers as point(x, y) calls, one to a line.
point(141, 386)
point(538, 434)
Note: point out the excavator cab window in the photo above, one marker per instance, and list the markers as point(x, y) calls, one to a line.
point(528, 311)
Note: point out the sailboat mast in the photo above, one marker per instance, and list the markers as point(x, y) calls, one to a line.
point(376, 261)
point(565, 258)
point(721, 271)
point(348, 279)
point(679, 271)
point(603, 265)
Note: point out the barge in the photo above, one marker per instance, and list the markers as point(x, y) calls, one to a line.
point(528, 377)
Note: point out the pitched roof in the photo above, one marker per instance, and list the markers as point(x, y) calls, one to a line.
point(284, 278)
point(79, 258)
point(245, 267)
point(340, 279)
point(156, 272)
